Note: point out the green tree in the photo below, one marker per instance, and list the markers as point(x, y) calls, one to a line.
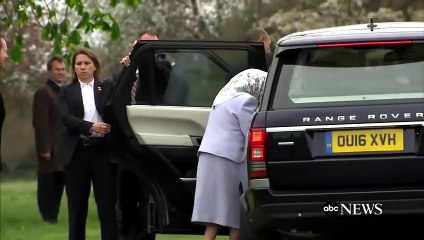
point(62, 22)
point(33, 29)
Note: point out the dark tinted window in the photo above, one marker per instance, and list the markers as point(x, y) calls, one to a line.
point(323, 76)
point(194, 77)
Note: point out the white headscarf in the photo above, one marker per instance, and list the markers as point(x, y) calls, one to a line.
point(249, 81)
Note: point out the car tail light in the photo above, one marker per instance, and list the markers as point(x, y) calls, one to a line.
point(257, 153)
point(354, 44)
point(257, 167)
point(257, 136)
point(257, 174)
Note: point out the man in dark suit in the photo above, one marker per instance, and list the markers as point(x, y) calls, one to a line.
point(3, 58)
point(258, 35)
point(261, 36)
point(125, 61)
point(46, 122)
point(162, 67)
point(130, 202)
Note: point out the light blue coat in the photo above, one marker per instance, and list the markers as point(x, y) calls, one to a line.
point(228, 126)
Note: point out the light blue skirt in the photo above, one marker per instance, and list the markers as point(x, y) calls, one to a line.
point(217, 197)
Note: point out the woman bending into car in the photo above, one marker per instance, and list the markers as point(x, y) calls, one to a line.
point(222, 154)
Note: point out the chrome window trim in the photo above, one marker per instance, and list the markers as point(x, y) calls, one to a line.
point(188, 179)
point(342, 126)
point(285, 143)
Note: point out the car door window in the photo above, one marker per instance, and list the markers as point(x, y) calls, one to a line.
point(194, 77)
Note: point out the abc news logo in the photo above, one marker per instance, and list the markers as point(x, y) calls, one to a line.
point(332, 209)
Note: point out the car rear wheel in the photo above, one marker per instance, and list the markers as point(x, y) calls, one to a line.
point(132, 208)
point(247, 233)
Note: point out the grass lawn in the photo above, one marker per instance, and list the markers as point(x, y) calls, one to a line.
point(20, 220)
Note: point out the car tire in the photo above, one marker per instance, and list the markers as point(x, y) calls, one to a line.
point(246, 232)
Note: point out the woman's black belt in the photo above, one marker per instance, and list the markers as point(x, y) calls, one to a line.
point(90, 141)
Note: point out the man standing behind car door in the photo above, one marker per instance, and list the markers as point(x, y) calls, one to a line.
point(130, 202)
point(47, 124)
point(257, 35)
point(261, 36)
point(143, 36)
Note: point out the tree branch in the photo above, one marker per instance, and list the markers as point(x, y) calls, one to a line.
point(185, 4)
point(8, 14)
point(49, 11)
point(203, 30)
point(36, 18)
point(66, 12)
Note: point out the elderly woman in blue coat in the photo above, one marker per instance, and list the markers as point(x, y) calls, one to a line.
point(222, 154)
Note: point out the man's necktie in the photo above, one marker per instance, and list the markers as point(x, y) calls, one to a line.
point(134, 88)
point(134, 91)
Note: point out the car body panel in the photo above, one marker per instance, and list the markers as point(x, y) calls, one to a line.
point(304, 168)
point(155, 141)
point(356, 33)
point(168, 125)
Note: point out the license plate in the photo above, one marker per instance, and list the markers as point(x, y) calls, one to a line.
point(357, 141)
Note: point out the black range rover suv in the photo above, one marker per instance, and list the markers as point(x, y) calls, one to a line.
point(338, 141)
point(330, 94)
point(155, 141)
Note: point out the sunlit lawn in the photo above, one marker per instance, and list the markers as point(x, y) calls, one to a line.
point(19, 217)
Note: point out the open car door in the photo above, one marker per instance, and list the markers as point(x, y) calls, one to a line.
point(156, 137)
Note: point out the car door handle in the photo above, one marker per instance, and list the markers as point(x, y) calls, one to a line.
point(196, 140)
point(285, 143)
